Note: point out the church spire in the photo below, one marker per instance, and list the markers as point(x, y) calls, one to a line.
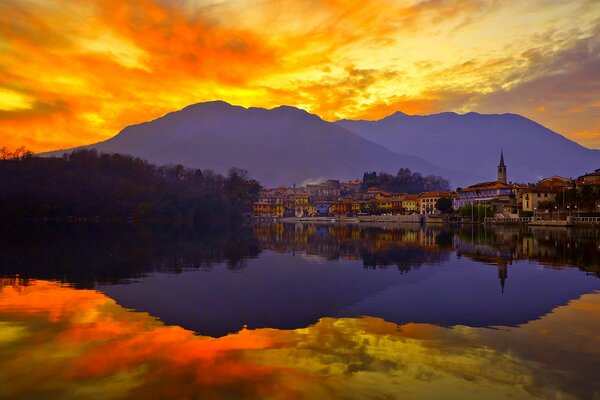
point(502, 168)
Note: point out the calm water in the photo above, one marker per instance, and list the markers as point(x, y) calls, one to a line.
point(299, 311)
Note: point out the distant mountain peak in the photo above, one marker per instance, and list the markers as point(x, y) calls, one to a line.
point(213, 105)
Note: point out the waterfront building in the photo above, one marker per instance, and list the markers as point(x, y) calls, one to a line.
point(546, 190)
point(350, 187)
point(410, 204)
point(593, 178)
point(497, 192)
point(328, 190)
point(428, 200)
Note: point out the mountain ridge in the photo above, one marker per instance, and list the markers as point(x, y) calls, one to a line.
point(278, 146)
point(473, 141)
point(285, 145)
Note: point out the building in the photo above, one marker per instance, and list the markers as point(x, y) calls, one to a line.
point(502, 169)
point(397, 200)
point(343, 207)
point(428, 200)
point(545, 190)
point(328, 190)
point(410, 204)
point(306, 210)
point(496, 192)
point(593, 178)
point(262, 209)
point(378, 194)
point(555, 183)
point(350, 187)
point(531, 198)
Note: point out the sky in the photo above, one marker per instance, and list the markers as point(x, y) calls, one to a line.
point(77, 72)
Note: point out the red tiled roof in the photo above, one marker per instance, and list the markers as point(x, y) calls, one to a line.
point(487, 185)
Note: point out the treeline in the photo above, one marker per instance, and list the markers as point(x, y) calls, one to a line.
point(405, 181)
point(85, 184)
point(587, 197)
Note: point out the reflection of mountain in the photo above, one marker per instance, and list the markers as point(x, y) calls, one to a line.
point(296, 274)
point(285, 289)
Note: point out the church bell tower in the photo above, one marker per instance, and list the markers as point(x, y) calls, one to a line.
point(502, 169)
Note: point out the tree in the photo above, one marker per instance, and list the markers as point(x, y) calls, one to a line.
point(4, 153)
point(545, 205)
point(115, 186)
point(477, 211)
point(404, 181)
point(444, 205)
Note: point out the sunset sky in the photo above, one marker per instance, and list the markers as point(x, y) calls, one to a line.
point(77, 72)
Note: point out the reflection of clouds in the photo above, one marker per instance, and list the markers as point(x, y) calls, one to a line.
point(57, 340)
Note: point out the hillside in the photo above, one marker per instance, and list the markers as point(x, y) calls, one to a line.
point(279, 146)
point(472, 142)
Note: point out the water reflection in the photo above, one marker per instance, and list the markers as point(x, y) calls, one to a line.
point(58, 342)
point(119, 254)
point(87, 254)
point(289, 276)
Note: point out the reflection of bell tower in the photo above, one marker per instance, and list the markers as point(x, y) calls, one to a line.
point(502, 273)
point(502, 169)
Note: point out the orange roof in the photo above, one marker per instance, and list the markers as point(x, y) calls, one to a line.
point(436, 194)
point(487, 185)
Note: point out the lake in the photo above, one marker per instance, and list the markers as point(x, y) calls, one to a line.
point(299, 311)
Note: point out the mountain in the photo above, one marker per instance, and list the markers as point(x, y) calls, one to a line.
point(472, 142)
point(278, 147)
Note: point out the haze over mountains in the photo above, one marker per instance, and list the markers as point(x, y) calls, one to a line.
point(286, 145)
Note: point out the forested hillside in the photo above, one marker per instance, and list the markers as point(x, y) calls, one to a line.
point(85, 184)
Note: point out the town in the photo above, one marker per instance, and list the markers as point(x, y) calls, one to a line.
point(552, 200)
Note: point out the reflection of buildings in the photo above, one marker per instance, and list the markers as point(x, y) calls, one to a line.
point(552, 248)
point(376, 246)
point(500, 255)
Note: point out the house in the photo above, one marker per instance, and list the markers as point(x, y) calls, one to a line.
point(593, 178)
point(410, 204)
point(378, 194)
point(546, 190)
point(498, 191)
point(428, 200)
point(262, 209)
point(350, 187)
point(328, 190)
point(530, 198)
point(278, 210)
point(300, 199)
point(342, 207)
point(555, 183)
point(385, 204)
